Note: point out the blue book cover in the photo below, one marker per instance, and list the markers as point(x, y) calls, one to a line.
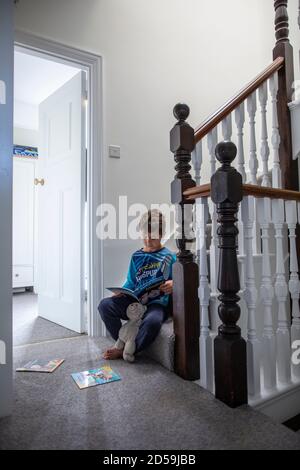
point(93, 377)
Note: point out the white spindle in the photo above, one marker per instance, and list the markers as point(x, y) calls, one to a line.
point(240, 122)
point(281, 293)
point(197, 159)
point(212, 140)
point(214, 302)
point(214, 250)
point(250, 297)
point(178, 222)
point(294, 283)
point(227, 127)
point(188, 221)
point(265, 150)
point(267, 295)
point(206, 366)
point(253, 162)
point(276, 172)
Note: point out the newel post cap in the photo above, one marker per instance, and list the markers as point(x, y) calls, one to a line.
point(226, 183)
point(182, 135)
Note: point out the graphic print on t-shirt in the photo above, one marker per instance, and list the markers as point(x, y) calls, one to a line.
point(147, 271)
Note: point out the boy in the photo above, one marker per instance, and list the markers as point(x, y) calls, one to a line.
point(151, 264)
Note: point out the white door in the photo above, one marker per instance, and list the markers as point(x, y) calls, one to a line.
point(61, 201)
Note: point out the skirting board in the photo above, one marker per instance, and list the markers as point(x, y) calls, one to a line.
point(282, 405)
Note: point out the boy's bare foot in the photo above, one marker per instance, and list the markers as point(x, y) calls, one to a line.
point(113, 353)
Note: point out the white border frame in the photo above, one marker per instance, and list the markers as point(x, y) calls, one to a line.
point(92, 63)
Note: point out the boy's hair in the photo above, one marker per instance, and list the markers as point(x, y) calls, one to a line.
point(152, 223)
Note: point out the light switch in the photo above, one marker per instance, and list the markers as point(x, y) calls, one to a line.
point(114, 151)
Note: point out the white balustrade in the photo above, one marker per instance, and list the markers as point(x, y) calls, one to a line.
point(281, 292)
point(212, 140)
point(294, 283)
point(206, 346)
point(214, 250)
point(253, 162)
point(265, 150)
point(240, 122)
point(267, 295)
point(227, 128)
point(276, 172)
point(214, 266)
point(269, 355)
point(197, 159)
point(250, 297)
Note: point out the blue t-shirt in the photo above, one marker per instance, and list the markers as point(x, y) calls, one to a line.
point(148, 270)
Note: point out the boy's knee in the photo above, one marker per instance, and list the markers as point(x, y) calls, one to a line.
point(104, 306)
point(153, 323)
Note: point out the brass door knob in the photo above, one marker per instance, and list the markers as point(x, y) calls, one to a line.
point(37, 181)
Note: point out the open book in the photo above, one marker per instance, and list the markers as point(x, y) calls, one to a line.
point(149, 293)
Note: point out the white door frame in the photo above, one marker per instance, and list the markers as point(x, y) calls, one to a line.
point(91, 63)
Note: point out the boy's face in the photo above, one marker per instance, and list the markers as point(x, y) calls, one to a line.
point(151, 244)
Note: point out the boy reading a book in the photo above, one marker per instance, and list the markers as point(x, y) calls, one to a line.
point(151, 266)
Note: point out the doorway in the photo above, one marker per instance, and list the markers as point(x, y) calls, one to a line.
point(82, 70)
point(49, 199)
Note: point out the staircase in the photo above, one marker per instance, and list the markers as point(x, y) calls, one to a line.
point(236, 298)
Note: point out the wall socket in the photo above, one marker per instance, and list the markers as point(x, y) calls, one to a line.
point(114, 151)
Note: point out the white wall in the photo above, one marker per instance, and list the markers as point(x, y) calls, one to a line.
point(6, 138)
point(27, 137)
point(26, 115)
point(157, 53)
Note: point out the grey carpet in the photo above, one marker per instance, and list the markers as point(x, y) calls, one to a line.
point(28, 327)
point(150, 408)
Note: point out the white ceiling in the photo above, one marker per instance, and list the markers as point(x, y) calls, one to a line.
point(37, 78)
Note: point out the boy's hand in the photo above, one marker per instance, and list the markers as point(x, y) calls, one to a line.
point(167, 287)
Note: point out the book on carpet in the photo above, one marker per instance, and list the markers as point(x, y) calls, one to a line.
point(38, 365)
point(92, 377)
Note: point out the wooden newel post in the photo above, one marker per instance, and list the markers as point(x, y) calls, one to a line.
point(229, 346)
point(283, 48)
point(185, 271)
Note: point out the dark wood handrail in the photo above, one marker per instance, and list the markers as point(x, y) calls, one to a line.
point(248, 190)
point(273, 193)
point(198, 191)
point(218, 116)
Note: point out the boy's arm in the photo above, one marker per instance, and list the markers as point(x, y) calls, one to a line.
point(174, 259)
point(131, 279)
point(167, 287)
